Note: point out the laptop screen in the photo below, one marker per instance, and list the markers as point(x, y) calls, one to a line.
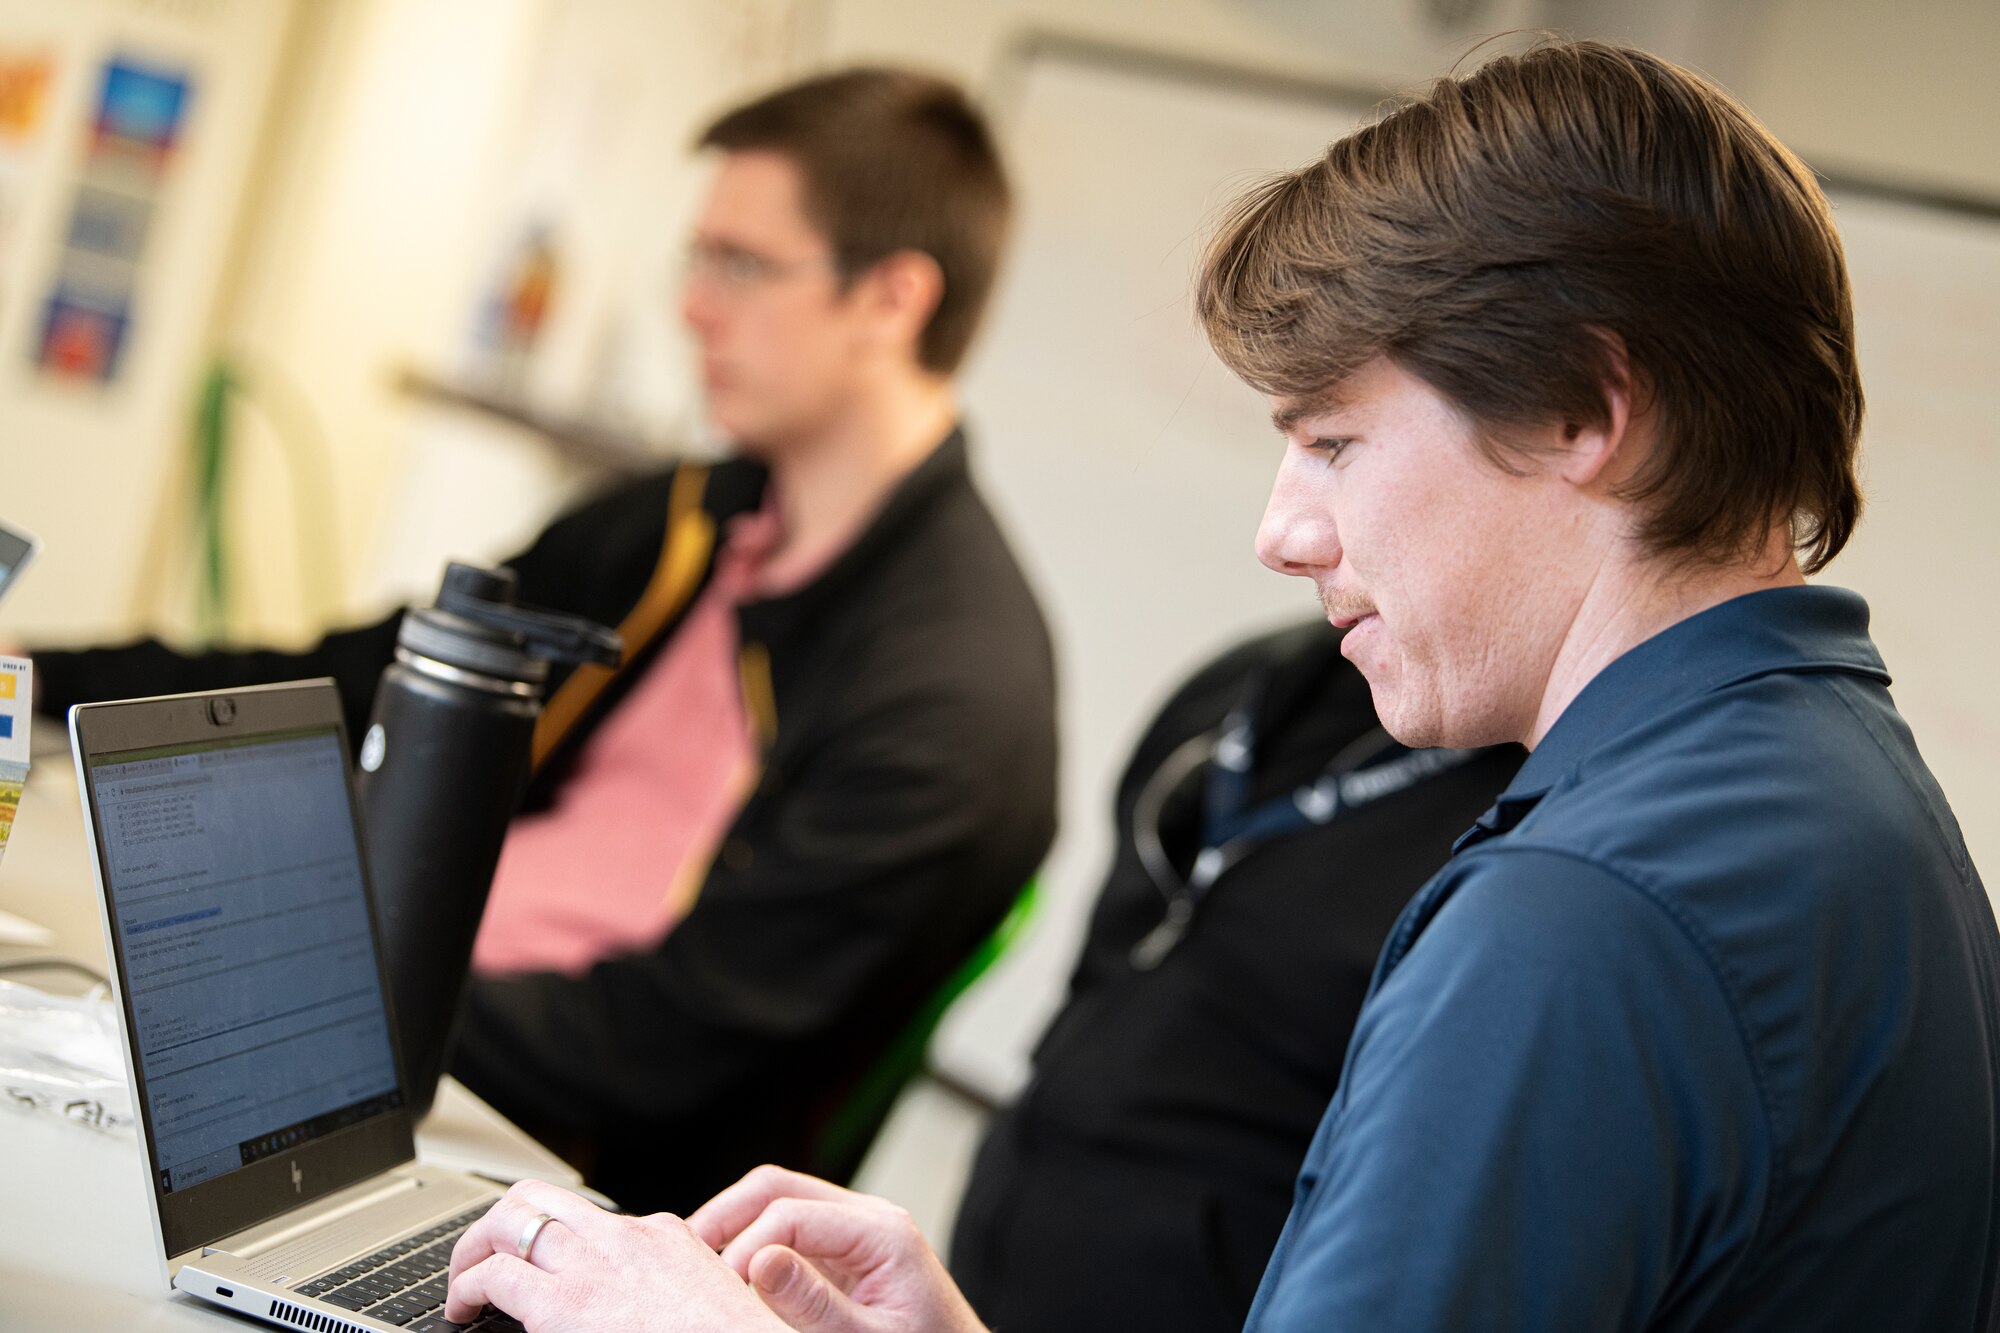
point(236, 889)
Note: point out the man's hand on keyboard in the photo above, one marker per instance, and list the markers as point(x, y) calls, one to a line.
point(589, 1271)
point(829, 1260)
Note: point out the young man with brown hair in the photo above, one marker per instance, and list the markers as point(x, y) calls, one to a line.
point(826, 765)
point(1700, 1027)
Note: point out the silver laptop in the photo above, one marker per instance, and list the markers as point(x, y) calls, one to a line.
point(274, 1123)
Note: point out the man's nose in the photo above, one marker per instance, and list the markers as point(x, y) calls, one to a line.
point(1295, 537)
point(698, 304)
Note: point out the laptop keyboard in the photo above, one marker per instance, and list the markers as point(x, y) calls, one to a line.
point(404, 1283)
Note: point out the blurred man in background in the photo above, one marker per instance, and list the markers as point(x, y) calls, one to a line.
point(826, 764)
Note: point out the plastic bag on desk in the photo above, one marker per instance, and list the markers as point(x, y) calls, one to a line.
point(60, 1054)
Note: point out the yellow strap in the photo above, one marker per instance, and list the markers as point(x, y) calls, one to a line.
point(760, 701)
point(684, 557)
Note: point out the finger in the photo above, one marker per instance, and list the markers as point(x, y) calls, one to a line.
point(719, 1220)
point(554, 1248)
point(800, 1294)
point(565, 1206)
point(500, 1230)
point(850, 1235)
point(522, 1290)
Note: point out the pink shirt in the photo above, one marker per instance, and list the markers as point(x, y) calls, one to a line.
point(615, 862)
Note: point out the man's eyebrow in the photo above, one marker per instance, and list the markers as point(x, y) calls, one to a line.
point(1286, 419)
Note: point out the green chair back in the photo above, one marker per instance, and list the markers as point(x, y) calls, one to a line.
point(853, 1126)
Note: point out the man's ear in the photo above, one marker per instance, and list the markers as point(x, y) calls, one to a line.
point(903, 290)
point(1589, 450)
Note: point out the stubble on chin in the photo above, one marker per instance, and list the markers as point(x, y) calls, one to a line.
point(1406, 710)
point(1418, 733)
point(1389, 710)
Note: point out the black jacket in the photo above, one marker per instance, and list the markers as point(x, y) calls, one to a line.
point(906, 702)
point(1142, 1178)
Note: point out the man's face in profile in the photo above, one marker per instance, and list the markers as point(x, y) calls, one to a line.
point(1447, 572)
point(765, 302)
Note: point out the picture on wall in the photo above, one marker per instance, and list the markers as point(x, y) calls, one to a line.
point(135, 128)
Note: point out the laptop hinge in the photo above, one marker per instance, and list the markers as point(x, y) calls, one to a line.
point(318, 1218)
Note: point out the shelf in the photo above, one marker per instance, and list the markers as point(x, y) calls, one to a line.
point(594, 444)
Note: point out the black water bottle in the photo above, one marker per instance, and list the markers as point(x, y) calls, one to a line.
point(443, 765)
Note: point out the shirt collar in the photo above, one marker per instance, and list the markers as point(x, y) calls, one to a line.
point(1795, 630)
point(945, 466)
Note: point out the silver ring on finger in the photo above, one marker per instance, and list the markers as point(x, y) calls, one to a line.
point(525, 1246)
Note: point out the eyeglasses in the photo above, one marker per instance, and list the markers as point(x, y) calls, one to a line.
point(739, 270)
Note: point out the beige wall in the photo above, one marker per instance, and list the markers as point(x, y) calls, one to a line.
point(1900, 88)
point(1904, 90)
point(360, 261)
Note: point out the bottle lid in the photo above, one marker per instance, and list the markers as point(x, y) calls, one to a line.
point(476, 626)
point(461, 642)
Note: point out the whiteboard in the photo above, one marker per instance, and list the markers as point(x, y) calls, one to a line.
point(1131, 470)
point(1128, 467)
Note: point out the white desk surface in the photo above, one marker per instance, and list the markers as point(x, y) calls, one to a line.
point(77, 1247)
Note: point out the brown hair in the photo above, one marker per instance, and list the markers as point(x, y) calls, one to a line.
point(1486, 236)
point(892, 160)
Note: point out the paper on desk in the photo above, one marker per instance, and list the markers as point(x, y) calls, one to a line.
point(17, 697)
point(60, 1054)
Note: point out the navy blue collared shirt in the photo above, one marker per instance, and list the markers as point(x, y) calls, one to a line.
point(1698, 1029)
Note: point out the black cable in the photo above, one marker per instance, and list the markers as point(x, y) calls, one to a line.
point(55, 965)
